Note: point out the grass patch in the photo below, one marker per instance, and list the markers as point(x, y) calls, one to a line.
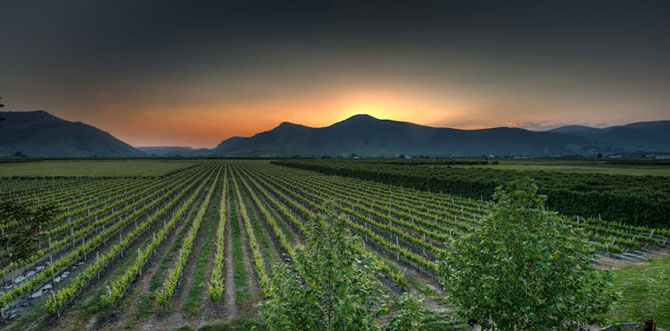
point(156, 280)
point(278, 219)
point(31, 320)
point(267, 248)
point(192, 301)
point(439, 322)
point(145, 303)
point(241, 324)
point(422, 288)
point(93, 305)
point(240, 275)
point(645, 293)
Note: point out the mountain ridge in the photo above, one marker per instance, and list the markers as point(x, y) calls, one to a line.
point(41, 134)
point(639, 136)
point(365, 135)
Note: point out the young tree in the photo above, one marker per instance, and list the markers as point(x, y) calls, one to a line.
point(19, 240)
point(524, 269)
point(329, 285)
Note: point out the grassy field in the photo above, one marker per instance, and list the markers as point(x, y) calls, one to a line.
point(644, 293)
point(580, 166)
point(117, 168)
point(268, 203)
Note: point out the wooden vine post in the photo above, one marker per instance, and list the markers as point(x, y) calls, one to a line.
point(649, 325)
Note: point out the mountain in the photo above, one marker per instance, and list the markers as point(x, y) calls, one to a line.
point(575, 129)
point(367, 136)
point(640, 137)
point(40, 134)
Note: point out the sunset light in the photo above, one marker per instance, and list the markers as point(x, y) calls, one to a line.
point(323, 165)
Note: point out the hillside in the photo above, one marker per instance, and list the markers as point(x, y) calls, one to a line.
point(40, 134)
point(367, 136)
point(640, 137)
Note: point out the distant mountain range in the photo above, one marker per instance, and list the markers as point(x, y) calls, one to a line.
point(39, 134)
point(635, 137)
point(365, 135)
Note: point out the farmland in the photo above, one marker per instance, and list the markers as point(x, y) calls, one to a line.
point(630, 199)
point(89, 168)
point(189, 244)
point(582, 167)
point(630, 167)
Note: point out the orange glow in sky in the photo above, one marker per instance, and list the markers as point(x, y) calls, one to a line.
point(185, 74)
point(209, 118)
point(208, 124)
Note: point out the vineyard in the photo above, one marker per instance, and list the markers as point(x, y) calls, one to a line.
point(636, 200)
point(196, 246)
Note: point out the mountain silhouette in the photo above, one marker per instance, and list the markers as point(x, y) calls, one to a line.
point(365, 135)
point(40, 134)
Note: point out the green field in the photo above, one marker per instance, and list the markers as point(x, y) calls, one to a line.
point(636, 200)
point(644, 292)
point(92, 168)
point(156, 241)
point(579, 166)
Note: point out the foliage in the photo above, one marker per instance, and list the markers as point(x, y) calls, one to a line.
point(409, 314)
point(174, 275)
point(216, 283)
point(240, 323)
point(395, 275)
point(117, 290)
point(259, 262)
point(329, 285)
point(636, 200)
point(524, 268)
point(94, 168)
point(18, 243)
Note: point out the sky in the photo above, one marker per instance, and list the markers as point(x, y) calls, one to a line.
point(197, 72)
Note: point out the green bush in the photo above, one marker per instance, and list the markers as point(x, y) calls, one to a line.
point(524, 269)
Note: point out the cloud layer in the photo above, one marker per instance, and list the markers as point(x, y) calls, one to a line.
point(161, 73)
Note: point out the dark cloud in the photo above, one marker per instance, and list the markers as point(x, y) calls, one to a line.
point(65, 55)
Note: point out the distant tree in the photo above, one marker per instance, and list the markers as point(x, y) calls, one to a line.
point(19, 154)
point(599, 156)
point(524, 269)
point(1, 106)
point(19, 240)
